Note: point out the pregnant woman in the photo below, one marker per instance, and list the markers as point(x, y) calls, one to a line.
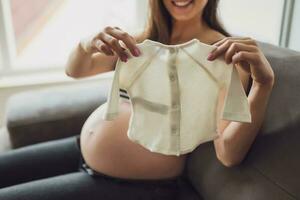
point(111, 165)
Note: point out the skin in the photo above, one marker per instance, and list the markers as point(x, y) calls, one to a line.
point(237, 137)
point(99, 53)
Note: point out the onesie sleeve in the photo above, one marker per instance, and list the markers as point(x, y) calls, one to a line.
point(236, 106)
point(111, 110)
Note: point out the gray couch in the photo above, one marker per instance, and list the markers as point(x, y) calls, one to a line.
point(271, 169)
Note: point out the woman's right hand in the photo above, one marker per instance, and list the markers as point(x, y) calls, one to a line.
point(108, 42)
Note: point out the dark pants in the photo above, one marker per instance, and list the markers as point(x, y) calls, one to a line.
point(53, 170)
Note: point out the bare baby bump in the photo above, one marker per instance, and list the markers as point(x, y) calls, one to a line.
point(106, 148)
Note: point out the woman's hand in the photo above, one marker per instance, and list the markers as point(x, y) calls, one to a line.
point(244, 52)
point(108, 42)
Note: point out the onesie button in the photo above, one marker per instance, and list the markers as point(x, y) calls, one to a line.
point(172, 50)
point(172, 76)
point(174, 104)
point(173, 129)
point(173, 66)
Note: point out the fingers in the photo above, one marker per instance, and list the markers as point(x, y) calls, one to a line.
point(231, 39)
point(113, 40)
point(230, 46)
point(124, 37)
point(245, 55)
point(101, 46)
point(114, 44)
point(236, 47)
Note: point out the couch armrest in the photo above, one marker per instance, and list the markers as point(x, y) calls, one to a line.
point(52, 113)
point(269, 172)
point(271, 167)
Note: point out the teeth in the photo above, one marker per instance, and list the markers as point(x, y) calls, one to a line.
point(181, 3)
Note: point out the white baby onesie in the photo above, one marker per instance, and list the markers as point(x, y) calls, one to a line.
point(174, 92)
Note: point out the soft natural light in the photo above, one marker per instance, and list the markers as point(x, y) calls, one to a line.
point(258, 19)
point(51, 46)
point(45, 31)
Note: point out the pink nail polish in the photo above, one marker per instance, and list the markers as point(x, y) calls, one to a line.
point(210, 57)
point(137, 51)
point(123, 58)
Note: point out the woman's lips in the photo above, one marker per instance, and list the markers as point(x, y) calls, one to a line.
point(182, 4)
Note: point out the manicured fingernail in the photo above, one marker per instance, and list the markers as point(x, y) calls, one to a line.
point(124, 58)
point(137, 52)
point(210, 57)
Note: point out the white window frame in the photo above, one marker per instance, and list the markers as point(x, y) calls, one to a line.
point(286, 22)
point(7, 39)
point(8, 46)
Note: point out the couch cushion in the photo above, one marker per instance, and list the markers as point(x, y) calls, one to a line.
point(57, 112)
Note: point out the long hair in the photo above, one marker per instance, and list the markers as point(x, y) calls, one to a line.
point(159, 24)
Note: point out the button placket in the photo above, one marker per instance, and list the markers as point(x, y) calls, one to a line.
point(173, 66)
point(173, 128)
point(172, 76)
point(175, 99)
point(172, 50)
point(175, 104)
point(175, 123)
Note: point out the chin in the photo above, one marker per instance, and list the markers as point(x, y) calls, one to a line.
point(183, 17)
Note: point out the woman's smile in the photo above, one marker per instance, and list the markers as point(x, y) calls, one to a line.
point(184, 5)
point(184, 9)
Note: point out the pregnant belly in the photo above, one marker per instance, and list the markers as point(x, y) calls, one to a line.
point(106, 148)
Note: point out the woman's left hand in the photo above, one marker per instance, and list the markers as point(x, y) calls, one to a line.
point(244, 52)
